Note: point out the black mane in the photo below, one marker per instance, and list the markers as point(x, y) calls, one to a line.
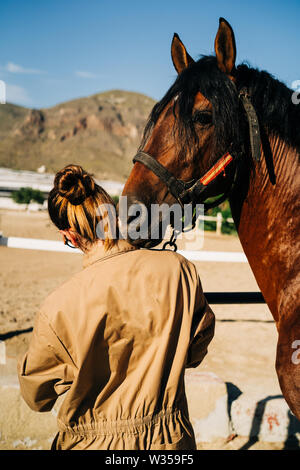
point(271, 99)
point(273, 102)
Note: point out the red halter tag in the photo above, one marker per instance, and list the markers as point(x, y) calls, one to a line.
point(216, 169)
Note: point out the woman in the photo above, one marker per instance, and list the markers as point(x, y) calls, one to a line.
point(117, 336)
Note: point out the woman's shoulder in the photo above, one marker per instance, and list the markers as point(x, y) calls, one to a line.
point(62, 296)
point(166, 258)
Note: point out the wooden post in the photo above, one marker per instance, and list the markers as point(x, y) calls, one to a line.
point(219, 223)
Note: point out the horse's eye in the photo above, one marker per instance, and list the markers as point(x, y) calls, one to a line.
point(202, 117)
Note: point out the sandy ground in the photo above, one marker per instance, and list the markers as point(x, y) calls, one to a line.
point(243, 349)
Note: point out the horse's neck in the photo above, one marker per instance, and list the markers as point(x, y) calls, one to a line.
point(268, 220)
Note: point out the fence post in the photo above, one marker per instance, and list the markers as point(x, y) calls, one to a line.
point(219, 223)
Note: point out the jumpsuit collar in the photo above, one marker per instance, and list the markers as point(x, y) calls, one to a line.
point(98, 252)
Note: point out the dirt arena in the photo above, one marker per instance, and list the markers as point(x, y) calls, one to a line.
point(244, 347)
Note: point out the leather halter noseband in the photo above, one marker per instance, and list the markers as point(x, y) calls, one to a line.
point(187, 192)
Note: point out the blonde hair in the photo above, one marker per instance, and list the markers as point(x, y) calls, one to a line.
point(76, 202)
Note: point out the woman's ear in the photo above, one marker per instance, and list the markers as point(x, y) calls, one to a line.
point(71, 236)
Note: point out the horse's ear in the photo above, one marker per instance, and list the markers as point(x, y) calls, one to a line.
point(180, 57)
point(225, 47)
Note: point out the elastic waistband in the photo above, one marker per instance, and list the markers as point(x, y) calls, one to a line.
point(128, 426)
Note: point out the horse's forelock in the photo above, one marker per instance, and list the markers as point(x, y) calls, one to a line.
point(203, 76)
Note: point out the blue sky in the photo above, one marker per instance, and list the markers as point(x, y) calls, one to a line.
point(54, 51)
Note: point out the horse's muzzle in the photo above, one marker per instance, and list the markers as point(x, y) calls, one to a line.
point(138, 225)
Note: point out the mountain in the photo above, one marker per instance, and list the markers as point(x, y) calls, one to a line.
point(100, 132)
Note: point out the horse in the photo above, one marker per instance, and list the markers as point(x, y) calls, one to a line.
point(233, 131)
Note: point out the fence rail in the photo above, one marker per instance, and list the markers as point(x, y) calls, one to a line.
point(218, 219)
point(212, 297)
point(234, 297)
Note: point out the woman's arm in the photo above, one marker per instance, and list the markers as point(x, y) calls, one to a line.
point(47, 370)
point(202, 330)
point(202, 337)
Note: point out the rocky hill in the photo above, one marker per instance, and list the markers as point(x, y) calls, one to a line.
point(100, 132)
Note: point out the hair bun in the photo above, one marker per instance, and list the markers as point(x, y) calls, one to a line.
point(73, 183)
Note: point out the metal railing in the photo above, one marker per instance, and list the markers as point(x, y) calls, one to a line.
point(234, 297)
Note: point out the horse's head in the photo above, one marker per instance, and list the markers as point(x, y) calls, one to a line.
point(194, 124)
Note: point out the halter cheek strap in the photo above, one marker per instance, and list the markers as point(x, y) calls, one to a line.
point(184, 191)
point(187, 192)
point(254, 132)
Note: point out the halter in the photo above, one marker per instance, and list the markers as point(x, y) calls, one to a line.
point(193, 191)
point(185, 192)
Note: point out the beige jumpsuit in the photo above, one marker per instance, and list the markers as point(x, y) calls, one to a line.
point(117, 338)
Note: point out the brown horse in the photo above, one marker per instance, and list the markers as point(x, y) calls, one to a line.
point(215, 108)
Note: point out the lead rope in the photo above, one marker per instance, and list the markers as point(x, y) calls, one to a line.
point(175, 233)
point(172, 241)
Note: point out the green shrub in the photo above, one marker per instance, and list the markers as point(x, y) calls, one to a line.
point(25, 195)
point(227, 228)
point(115, 199)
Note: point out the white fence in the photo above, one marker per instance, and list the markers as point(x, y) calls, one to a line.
point(218, 219)
point(8, 203)
point(12, 180)
point(51, 245)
